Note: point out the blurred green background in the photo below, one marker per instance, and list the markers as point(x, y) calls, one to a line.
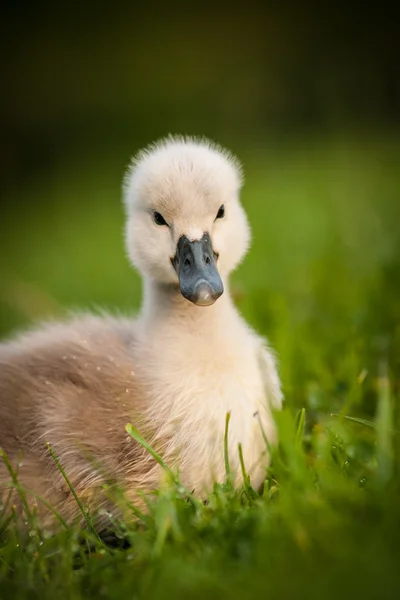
point(306, 96)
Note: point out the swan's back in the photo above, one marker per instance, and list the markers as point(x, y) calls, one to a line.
point(74, 386)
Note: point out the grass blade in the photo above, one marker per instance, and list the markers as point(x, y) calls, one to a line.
point(384, 428)
point(358, 420)
point(226, 451)
point(364, 422)
point(47, 504)
point(134, 433)
point(16, 486)
point(246, 478)
point(84, 512)
point(300, 428)
point(251, 494)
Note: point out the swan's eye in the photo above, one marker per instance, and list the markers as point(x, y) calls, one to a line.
point(221, 212)
point(159, 219)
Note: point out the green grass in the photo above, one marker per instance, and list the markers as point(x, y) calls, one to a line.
point(323, 282)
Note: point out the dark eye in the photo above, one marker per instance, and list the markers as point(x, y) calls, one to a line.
point(159, 219)
point(221, 212)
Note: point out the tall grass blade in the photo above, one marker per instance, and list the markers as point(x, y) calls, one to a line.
point(84, 512)
point(301, 420)
point(134, 433)
point(17, 487)
point(226, 449)
point(246, 478)
point(384, 420)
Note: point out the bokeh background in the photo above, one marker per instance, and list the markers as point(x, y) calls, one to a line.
point(307, 95)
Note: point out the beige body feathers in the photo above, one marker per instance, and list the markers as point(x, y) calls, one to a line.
point(174, 371)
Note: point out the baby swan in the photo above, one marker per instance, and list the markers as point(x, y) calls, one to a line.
point(174, 371)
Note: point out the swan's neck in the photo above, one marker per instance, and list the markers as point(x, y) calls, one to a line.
point(164, 304)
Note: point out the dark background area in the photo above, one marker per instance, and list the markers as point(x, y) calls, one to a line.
point(113, 76)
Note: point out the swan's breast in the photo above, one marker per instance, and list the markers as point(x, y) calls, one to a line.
point(190, 391)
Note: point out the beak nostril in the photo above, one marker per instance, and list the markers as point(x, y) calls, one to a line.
point(207, 260)
point(187, 262)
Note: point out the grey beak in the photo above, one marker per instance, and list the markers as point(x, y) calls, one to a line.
point(195, 264)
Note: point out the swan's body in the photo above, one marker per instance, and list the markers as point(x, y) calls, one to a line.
point(174, 372)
